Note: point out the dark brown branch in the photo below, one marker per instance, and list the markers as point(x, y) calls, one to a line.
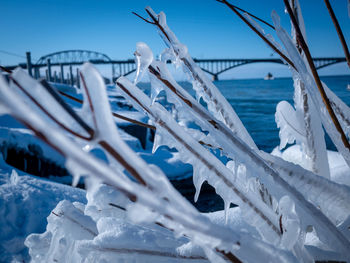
point(307, 53)
point(250, 14)
point(66, 107)
point(113, 113)
point(339, 31)
point(5, 69)
point(156, 22)
point(268, 42)
point(144, 19)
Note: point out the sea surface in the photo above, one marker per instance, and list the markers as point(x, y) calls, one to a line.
point(255, 101)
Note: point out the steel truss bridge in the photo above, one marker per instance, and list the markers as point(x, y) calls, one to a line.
point(214, 67)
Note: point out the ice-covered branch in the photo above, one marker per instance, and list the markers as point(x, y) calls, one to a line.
point(204, 88)
point(318, 220)
point(310, 85)
point(336, 197)
point(316, 78)
point(180, 218)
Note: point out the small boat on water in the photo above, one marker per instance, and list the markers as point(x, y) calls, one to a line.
point(269, 76)
point(348, 87)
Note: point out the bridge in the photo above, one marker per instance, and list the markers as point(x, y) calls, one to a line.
point(70, 58)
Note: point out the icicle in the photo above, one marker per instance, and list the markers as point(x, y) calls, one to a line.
point(198, 179)
point(227, 204)
point(160, 139)
point(156, 88)
point(75, 171)
point(300, 18)
point(144, 58)
point(14, 179)
point(310, 86)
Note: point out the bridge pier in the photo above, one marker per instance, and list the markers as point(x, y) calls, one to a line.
point(48, 75)
point(29, 64)
point(215, 77)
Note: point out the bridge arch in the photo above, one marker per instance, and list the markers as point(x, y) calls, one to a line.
point(215, 67)
point(77, 56)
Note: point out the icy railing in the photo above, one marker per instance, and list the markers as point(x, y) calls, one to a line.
point(282, 202)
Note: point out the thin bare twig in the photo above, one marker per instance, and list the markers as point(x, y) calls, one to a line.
point(144, 19)
point(5, 69)
point(245, 11)
point(268, 42)
point(307, 53)
point(339, 31)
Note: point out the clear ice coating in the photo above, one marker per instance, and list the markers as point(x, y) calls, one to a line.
point(217, 104)
point(311, 87)
point(313, 146)
point(143, 57)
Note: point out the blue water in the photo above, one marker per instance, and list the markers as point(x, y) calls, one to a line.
point(255, 102)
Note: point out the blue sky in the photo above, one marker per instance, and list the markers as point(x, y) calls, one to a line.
point(208, 28)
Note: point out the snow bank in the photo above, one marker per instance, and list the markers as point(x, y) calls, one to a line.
point(25, 202)
point(85, 231)
point(339, 170)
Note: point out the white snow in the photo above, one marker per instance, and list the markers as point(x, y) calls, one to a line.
point(25, 203)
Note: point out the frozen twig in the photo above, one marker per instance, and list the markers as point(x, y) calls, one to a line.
point(339, 31)
point(319, 221)
point(217, 104)
point(315, 75)
point(267, 41)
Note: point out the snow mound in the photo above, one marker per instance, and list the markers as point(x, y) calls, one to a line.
point(339, 170)
point(25, 202)
point(102, 226)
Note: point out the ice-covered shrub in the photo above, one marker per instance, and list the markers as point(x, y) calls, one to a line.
point(286, 213)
